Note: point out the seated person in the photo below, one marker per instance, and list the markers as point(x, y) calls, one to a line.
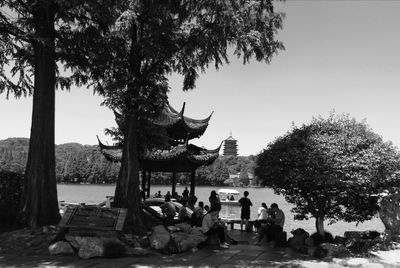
point(274, 226)
point(232, 198)
point(262, 217)
point(168, 209)
point(212, 225)
point(183, 212)
point(197, 217)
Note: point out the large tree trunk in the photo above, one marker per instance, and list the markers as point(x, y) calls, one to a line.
point(127, 191)
point(39, 201)
point(319, 224)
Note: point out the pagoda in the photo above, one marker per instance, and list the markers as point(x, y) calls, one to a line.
point(230, 146)
point(180, 156)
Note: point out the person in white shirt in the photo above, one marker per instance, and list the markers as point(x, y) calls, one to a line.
point(212, 225)
point(274, 226)
point(262, 216)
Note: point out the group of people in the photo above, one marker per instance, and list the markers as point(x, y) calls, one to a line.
point(270, 221)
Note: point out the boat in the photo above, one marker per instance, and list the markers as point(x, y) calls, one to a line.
point(229, 197)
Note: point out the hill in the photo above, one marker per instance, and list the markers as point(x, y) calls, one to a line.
point(77, 163)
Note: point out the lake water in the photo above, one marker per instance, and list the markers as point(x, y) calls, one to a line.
point(97, 193)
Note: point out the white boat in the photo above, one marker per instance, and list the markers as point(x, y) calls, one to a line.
point(229, 197)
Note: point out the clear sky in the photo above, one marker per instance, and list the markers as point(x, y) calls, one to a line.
point(340, 55)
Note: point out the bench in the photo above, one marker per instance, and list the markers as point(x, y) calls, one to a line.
point(232, 222)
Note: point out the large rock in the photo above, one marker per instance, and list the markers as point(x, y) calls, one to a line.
point(298, 240)
point(90, 247)
point(60, 248)
point(159, 238)
point(328, 250)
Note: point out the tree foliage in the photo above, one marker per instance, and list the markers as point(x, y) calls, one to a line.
point(152, 39)
point(330, 169)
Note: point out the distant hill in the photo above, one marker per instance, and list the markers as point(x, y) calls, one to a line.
point(77, 163)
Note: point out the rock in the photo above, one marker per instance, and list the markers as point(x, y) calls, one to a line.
point(60, 248)
point(159, 238)
point(328, 250)
point(339, 240)
point(90, 247)
point(297, 242)
point(309, 242)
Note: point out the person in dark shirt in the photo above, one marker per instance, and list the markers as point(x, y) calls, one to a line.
point(245, 203)
point(214, 198)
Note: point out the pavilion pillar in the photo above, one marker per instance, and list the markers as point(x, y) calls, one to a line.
point(148, 182)
point(173, 182)
point(192, 181)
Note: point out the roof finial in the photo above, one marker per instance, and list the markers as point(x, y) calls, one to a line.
point(230, 133)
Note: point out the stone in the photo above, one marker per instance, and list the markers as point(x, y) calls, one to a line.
point(339, 240)
point(297, 242)
point(60, 248)
point(159, 238)
point(329, 250)
point(90, 247)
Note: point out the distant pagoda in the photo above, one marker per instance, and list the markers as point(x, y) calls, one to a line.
point(230, 146)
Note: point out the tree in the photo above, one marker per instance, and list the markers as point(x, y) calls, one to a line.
point(244, 176)
point(30, 32)
point(219, 174)
point(331, 168)
point(152, 39)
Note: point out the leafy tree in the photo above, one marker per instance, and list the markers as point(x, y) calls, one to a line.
point(331, 168)
point(220, 173)
point(30, 34)
point(244, 176)
point(152, 39)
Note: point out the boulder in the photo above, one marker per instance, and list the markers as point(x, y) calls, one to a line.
point(297, 242)
point(60, 248)
point(90, 247)
point(159, 238)
point(329, 250)
point(339, 240)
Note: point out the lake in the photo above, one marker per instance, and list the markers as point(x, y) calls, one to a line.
point(88, 193)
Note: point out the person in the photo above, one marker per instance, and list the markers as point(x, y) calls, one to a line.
point(196, 219)
point(206, 208)
point(214, 198)
point(143, 194)
point(262, 216)
point(245, 203)
point(274, 226)
point(168, 194)
point(168, 208)
point(183, 212)
point(212, 225)
point(191, 201)
point(158, 194)
point(201, 205)
point(185, 193)
point(232, 198)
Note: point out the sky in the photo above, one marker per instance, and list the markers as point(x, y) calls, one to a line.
point(341, 56)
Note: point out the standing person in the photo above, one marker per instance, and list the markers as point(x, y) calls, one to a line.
point(214, 198)
point(185, 193)
point(212, 225)
point(245, 203)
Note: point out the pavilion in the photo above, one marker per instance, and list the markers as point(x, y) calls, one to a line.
point(180, 157)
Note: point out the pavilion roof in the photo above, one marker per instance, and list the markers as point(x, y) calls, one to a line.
point(180, 158)
point(178, 126)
